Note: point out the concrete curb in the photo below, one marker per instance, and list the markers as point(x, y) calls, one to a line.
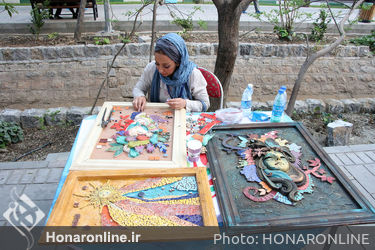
point(68, 26)
point(360, 105)
point(46, 117)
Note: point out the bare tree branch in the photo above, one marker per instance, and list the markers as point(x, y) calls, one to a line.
point(247, 32)
point(333, 17)
point(310, 59)
point(118, 52)
point(176, 9)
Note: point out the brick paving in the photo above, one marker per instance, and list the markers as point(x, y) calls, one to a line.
point(39, 179)
point(358, 163)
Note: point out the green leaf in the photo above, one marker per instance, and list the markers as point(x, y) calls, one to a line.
point(7, 137)
point(106, 41)
point(125, 40)
point(112, 149)
point(10, 133)
point(115, 147)
point(118, 152)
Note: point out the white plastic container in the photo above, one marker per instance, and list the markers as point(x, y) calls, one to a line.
point(229, 115)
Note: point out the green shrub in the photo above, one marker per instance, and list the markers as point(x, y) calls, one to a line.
point(186, 22)
point(320, 26)
point(102, 41)
point(283, 33)
point(53, 35)
point(284, 18)
point(327, 118)
point(368, 40)
point(38, 19)
point(10, 133)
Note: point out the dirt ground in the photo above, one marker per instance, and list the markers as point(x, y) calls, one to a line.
point(56, 39)
point(363, 126)
point(62, 137)
point(54, 139)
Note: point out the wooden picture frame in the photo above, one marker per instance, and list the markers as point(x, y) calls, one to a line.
point(71, 201)
point(339, 203)
point(84, 160)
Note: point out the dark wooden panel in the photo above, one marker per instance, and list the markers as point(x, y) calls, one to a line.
point(330, 204)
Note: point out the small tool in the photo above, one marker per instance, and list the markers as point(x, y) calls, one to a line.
point(105, 122)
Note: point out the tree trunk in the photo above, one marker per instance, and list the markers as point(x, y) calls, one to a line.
point(108, 24)
point(153, 32)
point(81, 14)
point(229, 13)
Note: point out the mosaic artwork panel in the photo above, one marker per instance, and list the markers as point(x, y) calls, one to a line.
point(251, 193)
point(275, 165)
point(130, 135)
point(156, 201)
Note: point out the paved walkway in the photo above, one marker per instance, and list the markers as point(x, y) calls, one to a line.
point(118, 12)
point(18, 23)
point(39, 179)
point(358, 164)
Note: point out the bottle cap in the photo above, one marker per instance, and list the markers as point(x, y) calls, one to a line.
point(281, 91)
point(283, 87)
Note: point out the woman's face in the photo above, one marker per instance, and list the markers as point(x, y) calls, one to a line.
point(276, 161)
point(164, 64)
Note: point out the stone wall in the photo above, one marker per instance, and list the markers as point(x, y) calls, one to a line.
point(71, 75)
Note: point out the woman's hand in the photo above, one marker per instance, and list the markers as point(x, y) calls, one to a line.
point(139, 103)
point(177, 103)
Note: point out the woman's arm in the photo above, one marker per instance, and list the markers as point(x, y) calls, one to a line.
point(143, 86)
point(198, 90)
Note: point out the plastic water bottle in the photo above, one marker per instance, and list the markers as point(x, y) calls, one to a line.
point(283, 88)
point(286, 99)
point(278, 106)
point(246, 101)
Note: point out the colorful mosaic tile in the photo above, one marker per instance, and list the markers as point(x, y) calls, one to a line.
point(145, 202)
point(140, 131)
point(275, 165)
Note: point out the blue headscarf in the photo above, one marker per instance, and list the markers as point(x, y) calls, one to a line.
point(174, 47)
